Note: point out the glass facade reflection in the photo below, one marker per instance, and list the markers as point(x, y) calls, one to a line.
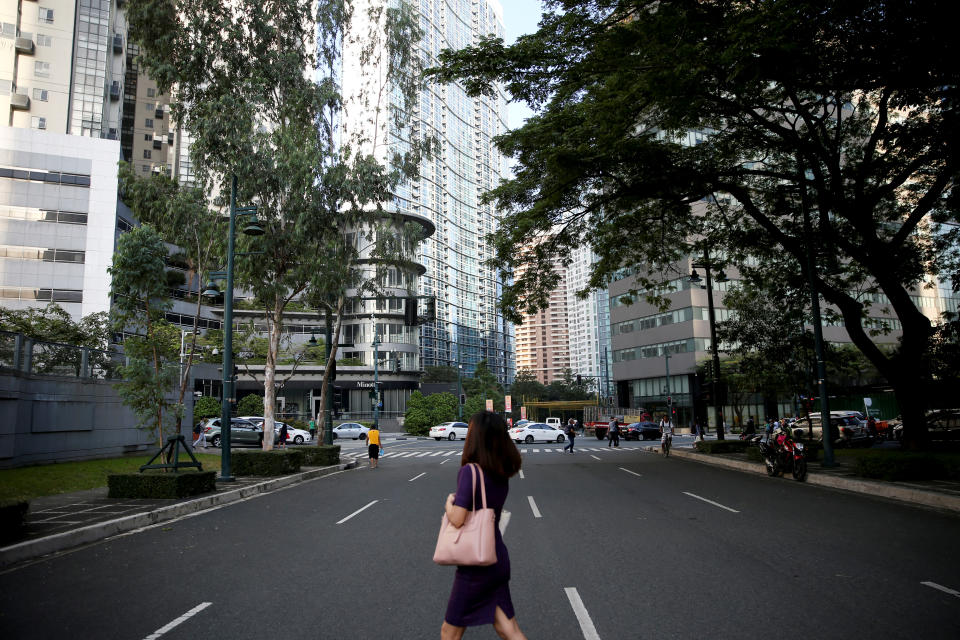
point(93, 38)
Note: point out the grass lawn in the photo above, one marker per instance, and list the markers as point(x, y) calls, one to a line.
point(50, 479)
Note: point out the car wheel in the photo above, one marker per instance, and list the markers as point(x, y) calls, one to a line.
point(334, 434)
point(363, 436)
point(215, 440)
point(560, 438)
point(298, 440)
point(452, 437)
point(528, 439)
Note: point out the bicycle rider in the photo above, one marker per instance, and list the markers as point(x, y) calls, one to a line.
point(666, 435)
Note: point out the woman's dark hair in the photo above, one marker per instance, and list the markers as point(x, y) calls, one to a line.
point(489, 445)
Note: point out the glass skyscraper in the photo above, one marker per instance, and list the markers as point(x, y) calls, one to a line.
point(468, 326)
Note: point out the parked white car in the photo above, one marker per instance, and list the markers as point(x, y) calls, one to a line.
point(294, 435)
point(449, 430)
point(536, 432)
point(353, 430)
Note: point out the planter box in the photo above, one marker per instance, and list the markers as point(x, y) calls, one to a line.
point(12, 517)
point(257, 462)
point(320, 456)
point(161, 485)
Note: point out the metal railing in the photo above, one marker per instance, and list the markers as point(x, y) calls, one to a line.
point(37, 357)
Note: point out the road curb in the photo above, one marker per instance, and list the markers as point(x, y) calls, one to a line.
point(874, 488)
point(30, 549)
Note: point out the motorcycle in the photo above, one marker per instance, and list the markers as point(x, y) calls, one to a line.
point(782, 454)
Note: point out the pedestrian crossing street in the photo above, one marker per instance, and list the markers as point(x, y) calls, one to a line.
point(386, 453)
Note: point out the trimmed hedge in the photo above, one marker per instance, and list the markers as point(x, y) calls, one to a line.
point(901, 466)
point(320, 456)
point(720, 446)
point(152, 484)
point(13, 514)
point(257, 462)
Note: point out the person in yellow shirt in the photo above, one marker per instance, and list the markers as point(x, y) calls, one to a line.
point(373, 446)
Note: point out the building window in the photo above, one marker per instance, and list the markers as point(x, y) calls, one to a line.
point(145, 168)
point(150, 106)
point(38, 123)
point(8, 30)
point(41, 69)
point(151, 92)
point(43, 40)
point(40, 95)
point(45, 15)
point(148, 123)
point(147, 154)
point(147, 137)
point(6, 86)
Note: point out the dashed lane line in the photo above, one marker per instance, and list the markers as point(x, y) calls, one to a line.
point(521, 474)
point(716, 504)
point(583, 617)
point(594, 457)
point(533, 507)
point(415, 477)
point(940, 587)
point(167, 627)
point(633, 472)
point(504, 521)
point(358, 511)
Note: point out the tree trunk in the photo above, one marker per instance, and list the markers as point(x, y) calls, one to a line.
point(331, 362)
point(275, 321)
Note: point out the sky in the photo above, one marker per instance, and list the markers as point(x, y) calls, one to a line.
point(519, 17)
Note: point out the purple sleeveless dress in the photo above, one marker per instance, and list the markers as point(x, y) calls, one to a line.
point(478, 591)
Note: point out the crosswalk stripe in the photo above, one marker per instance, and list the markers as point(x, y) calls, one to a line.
point(536, 450)
point(451, 453)
point(436, 453)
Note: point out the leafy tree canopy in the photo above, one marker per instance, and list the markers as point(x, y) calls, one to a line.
point(664, 126)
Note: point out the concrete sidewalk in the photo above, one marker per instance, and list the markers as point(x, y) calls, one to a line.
point(63, 521)
point(934, 494)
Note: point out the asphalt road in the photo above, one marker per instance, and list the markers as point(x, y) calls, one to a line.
point(637, 545)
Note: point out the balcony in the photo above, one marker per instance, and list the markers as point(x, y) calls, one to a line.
point(19, 101)
point(24, 46)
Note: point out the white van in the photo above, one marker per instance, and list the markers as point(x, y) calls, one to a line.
point(553, 422)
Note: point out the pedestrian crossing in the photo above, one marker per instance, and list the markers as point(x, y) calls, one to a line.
point(417, 453)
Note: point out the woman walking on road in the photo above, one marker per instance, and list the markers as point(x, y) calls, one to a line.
point(481, 595)
point(571, 433)
point(373, 446)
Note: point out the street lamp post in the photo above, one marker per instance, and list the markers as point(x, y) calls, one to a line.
point(721, 277)
point(228, 391)
point(376, 373)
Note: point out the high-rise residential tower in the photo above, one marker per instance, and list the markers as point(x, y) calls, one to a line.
point(468, 326)
point(543, 338)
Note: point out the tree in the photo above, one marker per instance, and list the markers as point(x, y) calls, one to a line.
point(256, 87)
point(439, 374)
point(443, 407)
point(139, 295)
point(52, 324)
point(250, 405)
point(837, 112)
point(483, 383)
point(417, 420)
point(206, 407)
point(526, 387)
point(181, 216)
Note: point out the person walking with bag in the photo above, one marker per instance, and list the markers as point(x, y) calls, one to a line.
point(571, 433)
point(480, 594)
point(373, 446)
point(613, 432)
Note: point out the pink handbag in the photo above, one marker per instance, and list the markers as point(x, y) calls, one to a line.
point(474, 543)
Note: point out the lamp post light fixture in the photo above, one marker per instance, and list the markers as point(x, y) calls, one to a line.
point(228, 391)
point(694, 278)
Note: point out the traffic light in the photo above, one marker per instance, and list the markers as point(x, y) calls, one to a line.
point(431, 313)
point(579, 380)
point(396, 364)
point(463, 398)
point(410, 312)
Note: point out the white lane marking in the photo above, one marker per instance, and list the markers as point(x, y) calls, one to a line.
point(636, 474)
point(586, 624)
point(716, 504)
point(425, 453)
point(415, 477)
point(594, 457)
point(940, 587)
point(358, 511)
point(445, 460)
point(452, 453)
point(521, 474)
point(504, 521)
point(438, 453)
point(533, 506)
point(536, 450)
point(189, 614)
point(409, 455)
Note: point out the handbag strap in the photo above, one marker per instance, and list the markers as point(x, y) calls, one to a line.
point(474, 468)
